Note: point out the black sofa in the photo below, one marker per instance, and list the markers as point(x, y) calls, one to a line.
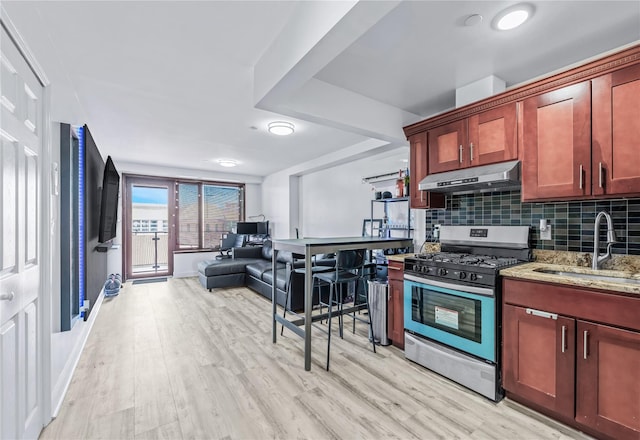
point(252, 267)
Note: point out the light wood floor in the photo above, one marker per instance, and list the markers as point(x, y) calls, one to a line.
point(172, 360)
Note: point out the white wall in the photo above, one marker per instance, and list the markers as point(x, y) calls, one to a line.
point(275, 203)
point(186, 265)
point(334, 202)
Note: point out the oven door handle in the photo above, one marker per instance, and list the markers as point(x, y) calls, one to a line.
point(542, 314)
point(451, 286)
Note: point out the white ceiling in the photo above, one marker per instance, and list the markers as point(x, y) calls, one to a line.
point(180, 84)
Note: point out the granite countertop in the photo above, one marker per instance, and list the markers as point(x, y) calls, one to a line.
point(623, 266)
point(427, 247)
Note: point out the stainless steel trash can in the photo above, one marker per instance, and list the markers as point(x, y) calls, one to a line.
point(378, 305)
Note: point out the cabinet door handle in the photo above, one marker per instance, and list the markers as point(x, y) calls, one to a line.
point(581, 169)
point(585, 352)
point(542, 314)
point(564, 333)
point(7, 296)
point(471, 151)
point(600, 170)
point(460, 153)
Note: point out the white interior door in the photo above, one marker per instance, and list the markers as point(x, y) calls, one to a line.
point(20, 221)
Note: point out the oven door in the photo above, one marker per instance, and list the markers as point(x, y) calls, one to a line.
point(462, 319)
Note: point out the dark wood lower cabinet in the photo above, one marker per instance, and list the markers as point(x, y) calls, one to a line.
point(395, 321)
point(539, 357)
point(582, 372)
point(608, 380)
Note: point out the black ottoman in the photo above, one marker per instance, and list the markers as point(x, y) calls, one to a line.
point(223, 273)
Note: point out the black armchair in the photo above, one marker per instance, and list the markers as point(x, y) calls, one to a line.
point(228, 242)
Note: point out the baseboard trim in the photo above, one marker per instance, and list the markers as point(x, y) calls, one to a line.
point(64, 380)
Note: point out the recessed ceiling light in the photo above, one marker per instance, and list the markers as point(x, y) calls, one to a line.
point(512, 17)
point(281, 128)
point(228, 163)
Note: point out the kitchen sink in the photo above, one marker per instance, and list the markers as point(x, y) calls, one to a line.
point(590, 276)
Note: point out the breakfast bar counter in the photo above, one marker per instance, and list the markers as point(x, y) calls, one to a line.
point(314, 246)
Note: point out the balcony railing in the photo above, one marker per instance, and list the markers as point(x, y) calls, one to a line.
point(149, 252)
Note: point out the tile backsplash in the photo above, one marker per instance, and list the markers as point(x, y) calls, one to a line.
point(571, 222)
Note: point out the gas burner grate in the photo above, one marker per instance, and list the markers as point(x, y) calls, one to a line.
point(464, 259)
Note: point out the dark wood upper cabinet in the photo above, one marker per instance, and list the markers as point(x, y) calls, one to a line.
point(446, 145)
point(493, 136)
point(481, 139)
point(418, 168)
point(616, 132)
point(577, 132)
point(556, 134)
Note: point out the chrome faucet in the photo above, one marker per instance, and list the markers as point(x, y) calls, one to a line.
point(597, 260)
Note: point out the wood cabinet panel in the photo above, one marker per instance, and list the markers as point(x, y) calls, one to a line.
point(446, 147)
point(557, 143)
point(395, 323)
point(493, 136)
point(608, 388)
point(616, 132)
point(539, 358)
point(418, 167)
point(481, 139)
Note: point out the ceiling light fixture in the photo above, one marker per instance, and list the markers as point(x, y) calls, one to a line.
point(473, 20)
point(227, 163)
point(512, 17)
point(281, 128)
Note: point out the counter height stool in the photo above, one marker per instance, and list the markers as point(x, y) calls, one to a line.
point(315, 283)
point(349, 267)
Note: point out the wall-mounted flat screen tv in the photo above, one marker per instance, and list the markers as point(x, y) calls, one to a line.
point(109, 204)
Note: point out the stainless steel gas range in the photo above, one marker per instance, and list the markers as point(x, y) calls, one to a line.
point(452, 303)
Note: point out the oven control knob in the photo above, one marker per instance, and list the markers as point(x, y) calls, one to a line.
point(463, 275)
point(425, 269)
point(442, 272)
point(473, 276)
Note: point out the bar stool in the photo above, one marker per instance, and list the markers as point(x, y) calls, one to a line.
point(315, 284)
point(349, 267)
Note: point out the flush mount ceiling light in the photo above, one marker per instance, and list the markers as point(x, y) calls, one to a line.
point(281, 128)
point(512, 17)
point(227, 163)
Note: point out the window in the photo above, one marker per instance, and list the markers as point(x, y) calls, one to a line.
point(207, 211)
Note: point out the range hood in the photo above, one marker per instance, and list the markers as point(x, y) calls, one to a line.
point(495, 177)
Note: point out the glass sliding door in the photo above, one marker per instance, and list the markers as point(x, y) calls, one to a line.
point(148, 228)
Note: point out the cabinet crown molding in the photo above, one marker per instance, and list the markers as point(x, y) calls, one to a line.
point(584, 72)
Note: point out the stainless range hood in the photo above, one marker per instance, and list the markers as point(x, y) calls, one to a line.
point(495, 177)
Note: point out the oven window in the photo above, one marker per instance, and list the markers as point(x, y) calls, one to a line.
point(447, 312)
